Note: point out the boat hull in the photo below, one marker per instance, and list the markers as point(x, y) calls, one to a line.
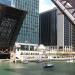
point(48, 66)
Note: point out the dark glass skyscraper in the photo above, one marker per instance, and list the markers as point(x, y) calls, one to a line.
point(48, 28)
point(30, 28)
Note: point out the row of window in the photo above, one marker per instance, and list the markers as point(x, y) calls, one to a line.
point(31, 20)
point(22, 53)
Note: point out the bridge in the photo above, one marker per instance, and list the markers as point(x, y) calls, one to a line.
point(11, 20)
point(67, 7)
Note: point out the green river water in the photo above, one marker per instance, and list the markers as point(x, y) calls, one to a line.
point(60, 68)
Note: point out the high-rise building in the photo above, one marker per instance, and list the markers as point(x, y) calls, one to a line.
point(6, 2)
point(65, 32)
point(56, 30)
point(48, 28)
point(29, 32)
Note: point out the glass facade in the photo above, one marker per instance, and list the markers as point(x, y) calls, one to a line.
point(6, 2)
point(48, 28)
point(73, 36)
point(67, 32)
point(29, 32)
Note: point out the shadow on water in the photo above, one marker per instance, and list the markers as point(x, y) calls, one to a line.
point(21, 71)
point(49, 69)
point(24, 71)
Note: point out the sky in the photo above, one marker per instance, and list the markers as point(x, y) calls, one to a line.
point(45, 5)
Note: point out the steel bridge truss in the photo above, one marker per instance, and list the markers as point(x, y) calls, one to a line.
point(67, 7)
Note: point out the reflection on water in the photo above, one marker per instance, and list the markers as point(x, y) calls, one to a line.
point(37, 69)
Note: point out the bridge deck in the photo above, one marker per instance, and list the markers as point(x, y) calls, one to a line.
point(11, 20)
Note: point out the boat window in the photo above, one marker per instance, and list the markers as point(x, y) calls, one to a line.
point(24, 47)
point(21, 53)
point(31, 48)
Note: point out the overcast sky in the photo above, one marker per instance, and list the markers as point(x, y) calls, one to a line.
point(45, 5)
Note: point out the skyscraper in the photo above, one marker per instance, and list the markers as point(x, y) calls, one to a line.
point(65, 32)
point(30, 29)
point(48, 28)
point(57, 30)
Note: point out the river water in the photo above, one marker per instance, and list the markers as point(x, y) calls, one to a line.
point(60, 68)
